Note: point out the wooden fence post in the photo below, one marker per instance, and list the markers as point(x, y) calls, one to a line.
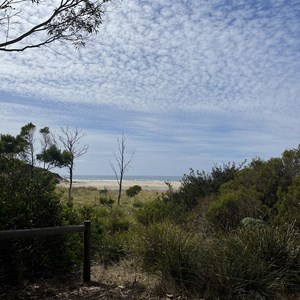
point(51, 231)
point(87, 252)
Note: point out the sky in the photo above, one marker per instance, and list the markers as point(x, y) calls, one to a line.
point(190, 83)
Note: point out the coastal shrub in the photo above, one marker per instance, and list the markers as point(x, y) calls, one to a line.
point(105, 198)
point(113, 248)
point(137, 203)
point(178, 258)
point(288, 206)
point(117, 221)
point(112, 231)
point(133, 190)
point(31, 202)
point(110, 226)
point(199, 184)
point(196, 220)
point(227, 210)
point(96, 215)
point(271, 179)
point(106, 201)
point(159, 211)
point(27, 202)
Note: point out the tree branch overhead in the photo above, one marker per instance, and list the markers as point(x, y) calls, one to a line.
point(70, 20)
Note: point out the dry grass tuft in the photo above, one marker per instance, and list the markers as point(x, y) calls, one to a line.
point(90, 196)
point(125, 273)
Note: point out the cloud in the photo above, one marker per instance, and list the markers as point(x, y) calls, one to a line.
point(193, 79)
point(152, 56)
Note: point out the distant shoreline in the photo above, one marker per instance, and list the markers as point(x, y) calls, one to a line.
point(137, 178)
point(113, 185)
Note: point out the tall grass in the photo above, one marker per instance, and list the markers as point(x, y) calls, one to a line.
point(252, 263)
point(173, 255)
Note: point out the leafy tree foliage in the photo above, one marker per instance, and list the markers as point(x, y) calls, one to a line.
point(27, 137)
point(66, 20)
point(52, 157)
point(10, 146)
point(26, 202)
point(23, 147)
point(50, 154)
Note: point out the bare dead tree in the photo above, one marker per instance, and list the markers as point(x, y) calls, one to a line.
point(122, 164)
point(67, 20)
point(70, 139)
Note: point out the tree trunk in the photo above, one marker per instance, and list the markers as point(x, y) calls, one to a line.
point(70, 185)
point(120, 189)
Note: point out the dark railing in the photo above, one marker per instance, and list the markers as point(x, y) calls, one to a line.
point(48, 231)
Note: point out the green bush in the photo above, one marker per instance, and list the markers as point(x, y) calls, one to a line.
point(227, 211)
point(288, 206)
point(30, 201)
point(105, 199)
point(159, 211)
point(117, 221)
point(112, 248)
point(133, 191)
point(110, 228)
point(196, 220)
point(137, 203)
point(199, 184)
point(27, 201)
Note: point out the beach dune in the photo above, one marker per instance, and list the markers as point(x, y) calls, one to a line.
point(113, 185)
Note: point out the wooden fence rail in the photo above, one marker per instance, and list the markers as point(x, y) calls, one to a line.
point(48, 231)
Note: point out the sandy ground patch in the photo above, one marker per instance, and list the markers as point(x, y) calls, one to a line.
point(113, 185)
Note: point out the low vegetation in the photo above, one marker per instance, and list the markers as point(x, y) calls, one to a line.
point(232, 233)
point(133, 191)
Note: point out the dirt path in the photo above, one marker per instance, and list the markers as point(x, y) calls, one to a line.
point(75, 291)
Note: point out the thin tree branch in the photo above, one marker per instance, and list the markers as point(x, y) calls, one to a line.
point(65, 23)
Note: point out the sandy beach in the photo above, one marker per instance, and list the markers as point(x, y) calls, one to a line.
point(113, 185)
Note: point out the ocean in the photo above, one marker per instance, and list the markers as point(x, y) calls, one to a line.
point(126, 177)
